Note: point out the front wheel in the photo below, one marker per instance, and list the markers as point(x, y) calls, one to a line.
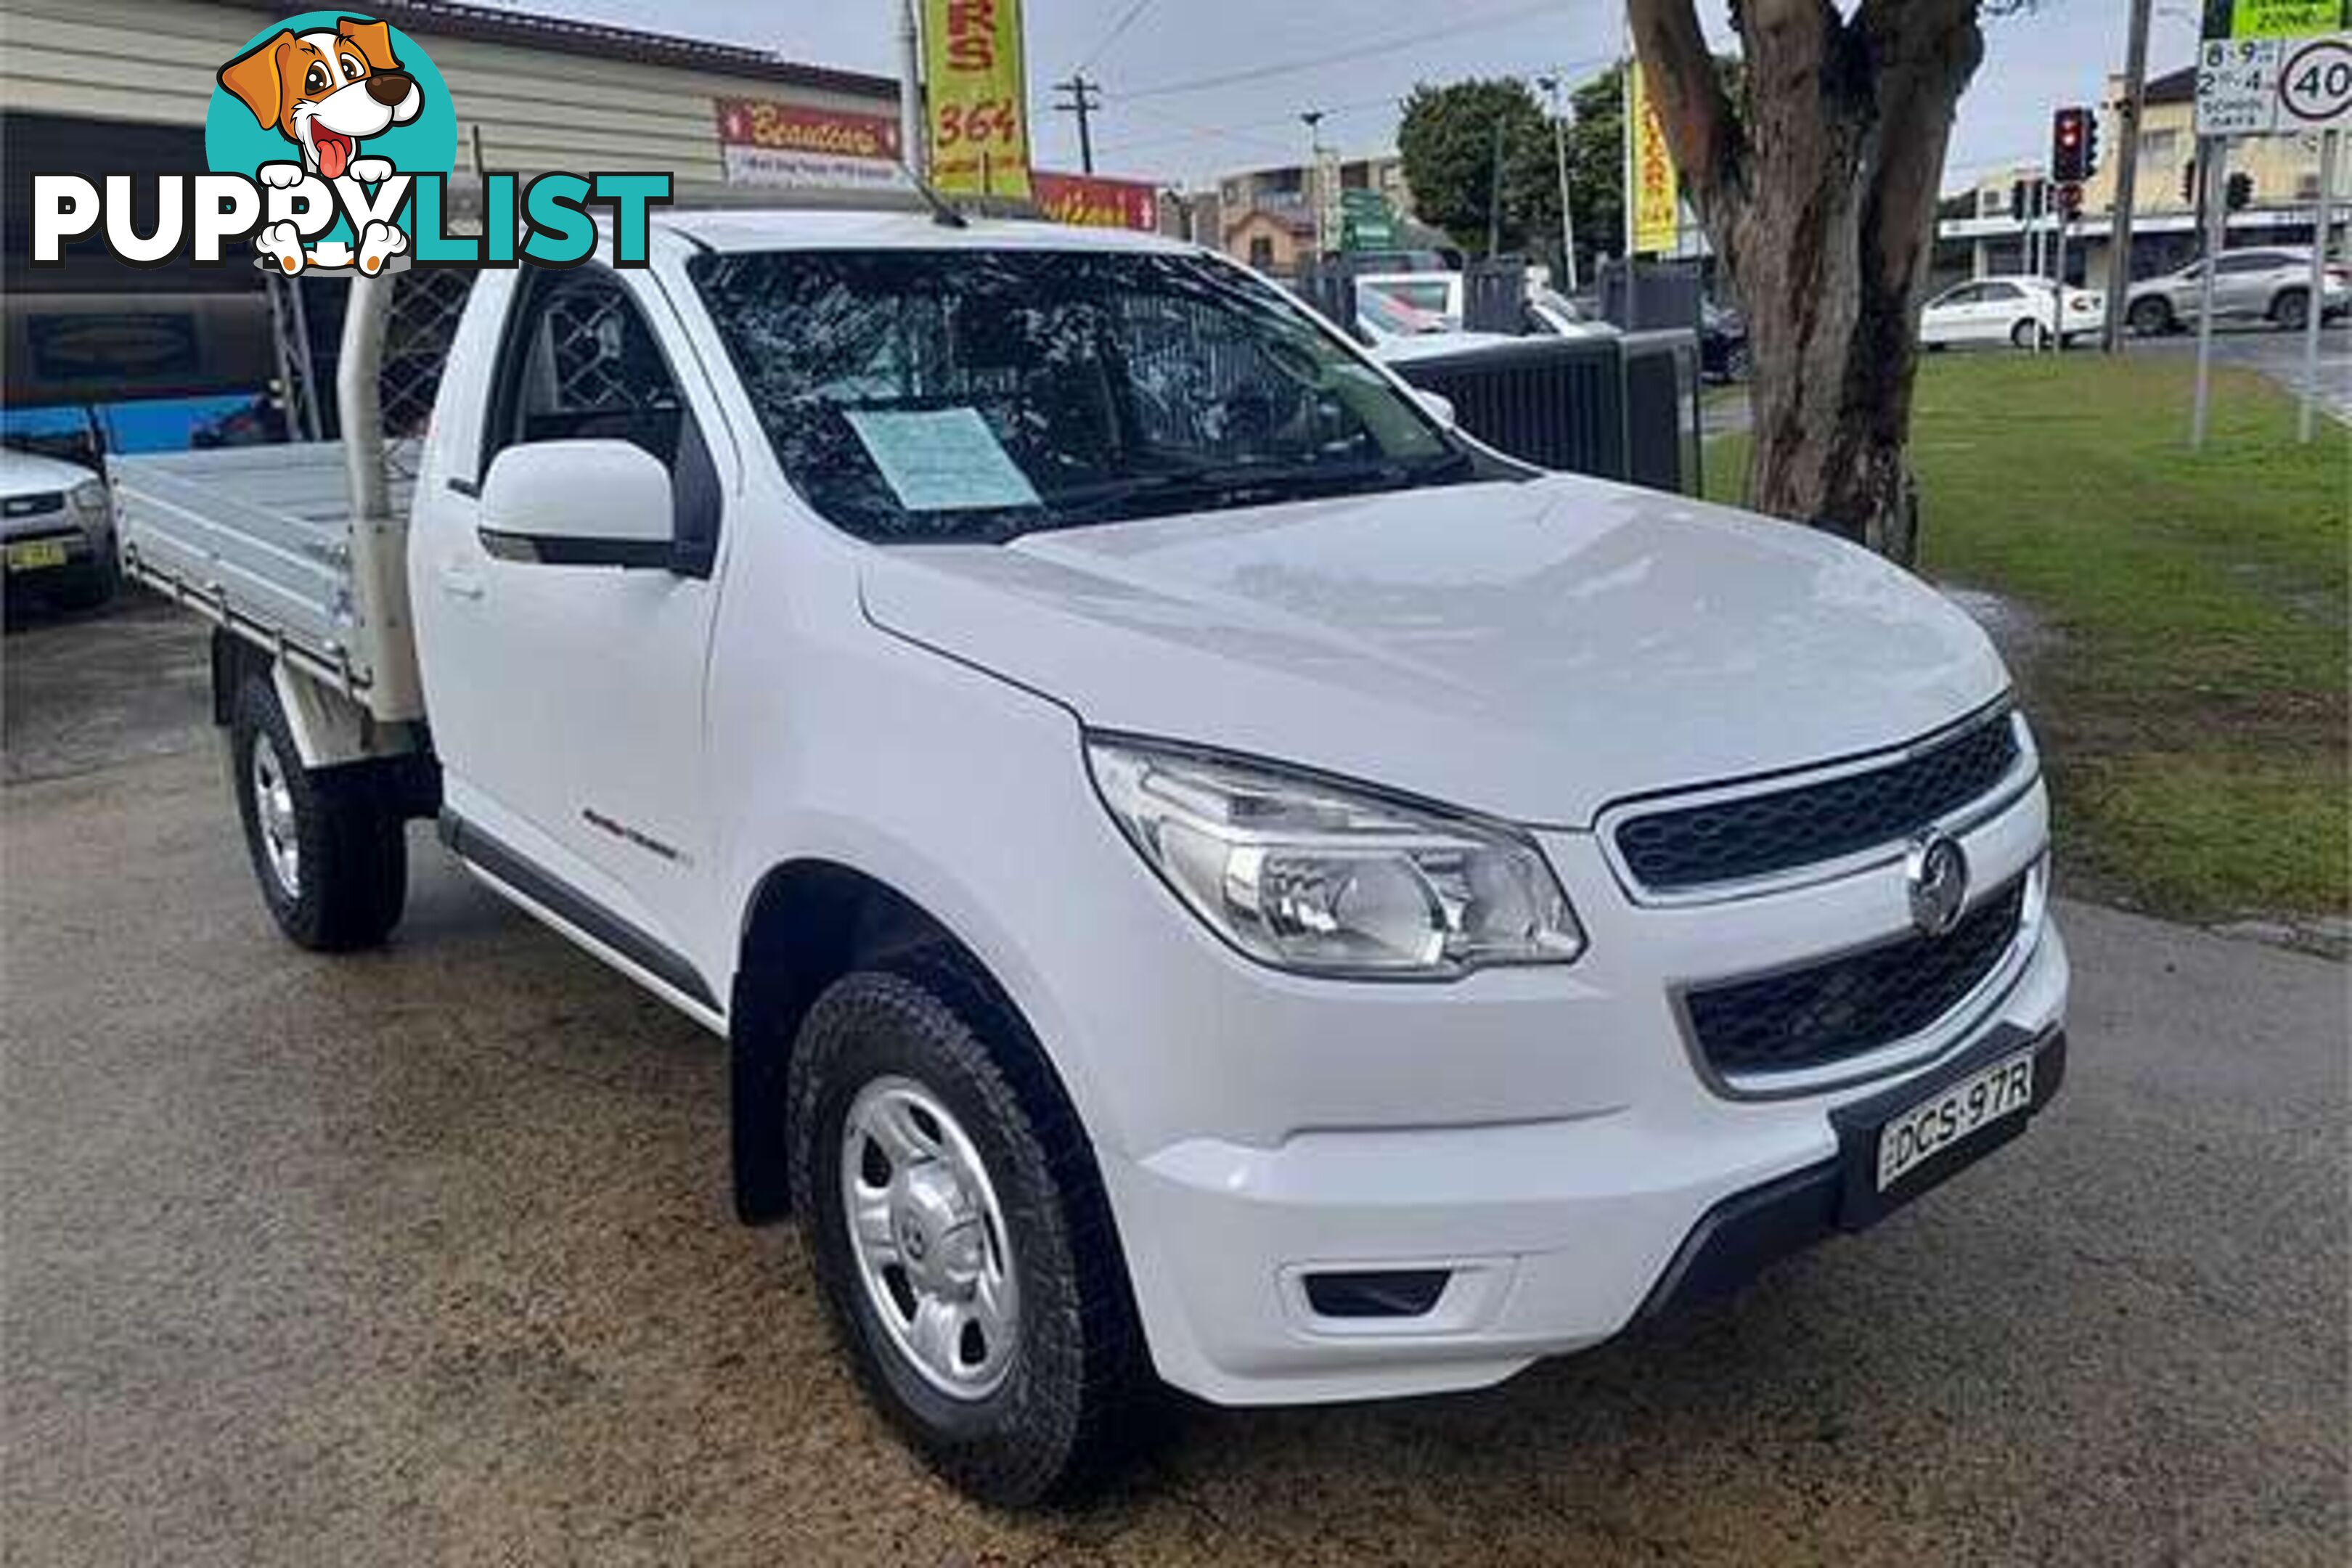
point(2150, 318)
point(961, 1240)
point(329, 848)
point(97, 585)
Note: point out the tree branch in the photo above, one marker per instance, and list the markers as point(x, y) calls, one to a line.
point(1701, 128)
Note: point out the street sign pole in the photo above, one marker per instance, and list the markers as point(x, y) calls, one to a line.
point(2322, 221)
point(911, 91)
point(2058, 336)
point(2213, 158)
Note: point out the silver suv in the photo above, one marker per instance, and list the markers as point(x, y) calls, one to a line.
point(2269, 284)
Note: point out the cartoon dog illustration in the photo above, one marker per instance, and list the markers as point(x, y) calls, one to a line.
point(325, 93)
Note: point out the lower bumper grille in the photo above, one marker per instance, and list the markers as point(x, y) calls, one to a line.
point(1851, 1005)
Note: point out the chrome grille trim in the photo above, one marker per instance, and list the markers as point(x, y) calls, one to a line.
point(2024, 772)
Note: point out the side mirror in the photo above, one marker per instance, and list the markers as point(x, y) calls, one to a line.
point(579, 503)
point(1440, 406)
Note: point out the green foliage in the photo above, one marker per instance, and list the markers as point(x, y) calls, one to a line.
point(2191, 695)
point(1448, 141)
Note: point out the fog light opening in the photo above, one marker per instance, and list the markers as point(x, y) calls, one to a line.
point(1377, 1293)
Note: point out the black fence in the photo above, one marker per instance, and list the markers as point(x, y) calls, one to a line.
point(1619, 407)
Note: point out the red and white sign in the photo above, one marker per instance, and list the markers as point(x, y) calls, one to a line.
point(2315, 85)
point(785, 145)
point(1092, 201)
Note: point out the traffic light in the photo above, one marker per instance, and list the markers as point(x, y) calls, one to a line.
point(2239, 191)
point(2070, 145)
point(2070, 202)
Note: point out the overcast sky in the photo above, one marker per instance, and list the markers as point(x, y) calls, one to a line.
point(1194, 88)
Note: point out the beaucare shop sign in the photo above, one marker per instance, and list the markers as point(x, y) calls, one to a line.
point(787, 147)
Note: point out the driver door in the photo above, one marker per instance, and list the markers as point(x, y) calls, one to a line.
point(567, 699)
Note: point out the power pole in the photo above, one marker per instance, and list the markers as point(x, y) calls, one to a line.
point(2119, 234)
point(1313, 184)
point(1084, 98)
point(1495, 196)
point(1552, 85)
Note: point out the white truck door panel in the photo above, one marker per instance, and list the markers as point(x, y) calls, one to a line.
point(567, 701)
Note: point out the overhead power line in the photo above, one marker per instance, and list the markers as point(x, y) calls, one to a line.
point(1363, 51)
point(1128, 18)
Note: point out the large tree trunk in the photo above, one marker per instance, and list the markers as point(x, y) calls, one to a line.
point(1818, 191)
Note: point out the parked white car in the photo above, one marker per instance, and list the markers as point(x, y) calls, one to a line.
point(2264, 283)
point(56, 529)
point(1207, 876)
point(2021, 311)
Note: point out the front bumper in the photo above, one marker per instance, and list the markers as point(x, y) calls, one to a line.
point(1554, 1233)
point(42, 549)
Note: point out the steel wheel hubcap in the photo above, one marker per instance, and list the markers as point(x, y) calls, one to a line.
point(930, 1239)
point(273, 817)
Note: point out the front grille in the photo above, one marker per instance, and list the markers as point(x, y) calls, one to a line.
point(1681, 848)
point(33, 505)
point(1852, 1006)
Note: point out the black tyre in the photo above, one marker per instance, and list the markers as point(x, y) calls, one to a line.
point(2029, 334)
point(961, 1239)
point(329, 848)
point(94, 587)
point(2149, 318)
point(1737, 363)
point(2292, 308)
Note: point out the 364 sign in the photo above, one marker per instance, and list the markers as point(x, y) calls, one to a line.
point(978, 88)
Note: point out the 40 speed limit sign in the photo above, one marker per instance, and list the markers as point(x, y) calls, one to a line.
point(2315, 84)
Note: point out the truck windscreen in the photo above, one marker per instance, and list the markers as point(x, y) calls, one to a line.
point(973, 395)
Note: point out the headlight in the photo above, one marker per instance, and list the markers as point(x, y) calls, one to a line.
point(1320, 878)
point(87, 496)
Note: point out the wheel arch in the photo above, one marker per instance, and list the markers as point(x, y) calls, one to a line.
point(808, 922)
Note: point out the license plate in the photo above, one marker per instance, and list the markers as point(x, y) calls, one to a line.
point(36, 553)
point(1946, 1120)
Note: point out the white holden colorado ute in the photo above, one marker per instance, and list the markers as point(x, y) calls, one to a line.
point(1208, 876)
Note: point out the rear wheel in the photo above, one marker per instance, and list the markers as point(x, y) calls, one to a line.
point(2029, 335)
point(329, 848)
point(2292, 308)
point(2149, 318)
point(960, 1237)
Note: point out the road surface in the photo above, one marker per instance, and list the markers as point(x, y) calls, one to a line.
point(426, 1257)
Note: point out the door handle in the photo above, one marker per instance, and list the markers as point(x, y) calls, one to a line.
point(460, 582)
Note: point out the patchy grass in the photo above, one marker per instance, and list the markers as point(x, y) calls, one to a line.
point(2193, 706)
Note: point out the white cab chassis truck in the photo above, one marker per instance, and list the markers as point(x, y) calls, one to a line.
point(1209, 876)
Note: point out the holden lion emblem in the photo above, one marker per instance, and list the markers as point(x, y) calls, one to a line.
point(1937, 877)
